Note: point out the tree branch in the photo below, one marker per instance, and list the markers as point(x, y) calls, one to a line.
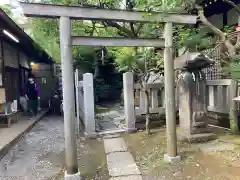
point(231, 48)
point(139, 28)
point(205, 21)
point(119, 27)
point(132, 29)
point(93, 28)
point(129, 7)
point(124, 31)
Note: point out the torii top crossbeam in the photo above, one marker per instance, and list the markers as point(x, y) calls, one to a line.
point(78, 12)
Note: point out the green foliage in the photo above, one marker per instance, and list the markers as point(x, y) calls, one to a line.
point(232, 68)
point(234, 121)
point(229, 29)
point(7, 10)
point(126, 59)
point(84, 59)
point(192, 38)
point(140, 61)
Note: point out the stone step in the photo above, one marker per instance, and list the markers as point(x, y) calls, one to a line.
point(115, 145)
point(196, 138)
point(217, 145)
point(121, 164)
point(131, 177)
point(200, 130)
point(119, 118)
point(111, 132)
point(200, 125)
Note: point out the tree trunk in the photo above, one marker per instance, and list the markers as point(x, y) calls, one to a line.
point(147, 112)
point(96, 70)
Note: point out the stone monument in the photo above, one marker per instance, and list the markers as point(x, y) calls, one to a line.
point(192, 97)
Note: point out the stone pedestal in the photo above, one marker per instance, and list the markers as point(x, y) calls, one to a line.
point(193, 107)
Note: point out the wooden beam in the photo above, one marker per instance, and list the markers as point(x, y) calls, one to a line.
point(78, 12)
point(117, 42)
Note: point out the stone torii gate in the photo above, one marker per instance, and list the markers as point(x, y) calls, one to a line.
point(66, 13)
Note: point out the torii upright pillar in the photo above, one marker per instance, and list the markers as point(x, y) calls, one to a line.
point(72, 172)
point(170, 103)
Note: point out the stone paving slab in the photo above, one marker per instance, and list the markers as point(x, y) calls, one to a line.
point(121, 164)
point(115, 145)
point(196, 138)
point(111, 132)
point(131, 177)
point(216, 145)
point(110, 136)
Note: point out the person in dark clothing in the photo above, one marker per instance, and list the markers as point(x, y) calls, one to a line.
point(32, 95)
point(56, 103)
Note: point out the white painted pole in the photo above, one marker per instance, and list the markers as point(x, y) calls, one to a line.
point(68, 96)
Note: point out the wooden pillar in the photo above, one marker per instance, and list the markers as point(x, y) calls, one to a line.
point(169, 84)
point(68, 96)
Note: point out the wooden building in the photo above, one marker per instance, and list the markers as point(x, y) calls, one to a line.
point(220, 14)
point(18, 53)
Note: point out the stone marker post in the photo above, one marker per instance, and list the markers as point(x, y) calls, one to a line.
point(89, 113)
point(129, 108)
point(233, 114)
point(77, 102)
point(68, 99)
point(185, 101)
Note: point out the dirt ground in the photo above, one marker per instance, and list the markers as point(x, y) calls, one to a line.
point(148, 151)
point(91, 160)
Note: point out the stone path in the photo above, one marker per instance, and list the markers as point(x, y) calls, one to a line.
point(111, 120)
point(121, 165)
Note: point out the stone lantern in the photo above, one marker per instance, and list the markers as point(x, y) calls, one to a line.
point(191, 86)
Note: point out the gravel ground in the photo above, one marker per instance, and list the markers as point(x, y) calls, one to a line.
point(40, 155)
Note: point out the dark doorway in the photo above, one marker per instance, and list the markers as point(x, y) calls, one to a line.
point(11, 83)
